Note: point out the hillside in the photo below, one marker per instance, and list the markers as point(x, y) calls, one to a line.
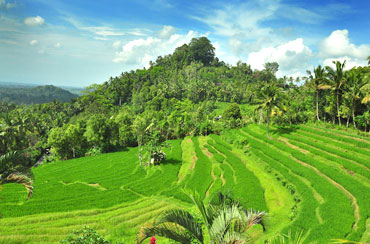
point(33, 95)
point(307, 178)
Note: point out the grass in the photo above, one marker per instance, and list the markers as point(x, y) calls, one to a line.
point(307, 178)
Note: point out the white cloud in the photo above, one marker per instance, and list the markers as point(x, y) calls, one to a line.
point(34, 42)
point(100, 38)
point(140, 51)
point(291, 57)
point(10, 5)
point(242, 20)
point(301, 14)
point(97, 30)
point(103, 31)
point(136, 33)
point(34, 21)
point(166, 32)
point(116, 44)
point(350, 62)
point(57, 45)
point(338, 45)
point(7, 5)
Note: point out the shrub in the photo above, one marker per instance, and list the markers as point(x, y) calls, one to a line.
point(84, 236)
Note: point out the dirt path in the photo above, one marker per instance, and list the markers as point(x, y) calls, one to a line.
point(214, 177)
point(338, 134)
point(95, 185)
point(222, 179)
point(334, 155)
point(286, 141)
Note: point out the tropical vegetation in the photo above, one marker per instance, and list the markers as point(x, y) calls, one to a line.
point(119, 155)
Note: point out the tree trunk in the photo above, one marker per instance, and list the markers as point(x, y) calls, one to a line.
point(120, 101)
point(353, 115)
point(317, 105)
point(339, 122)
point(73, 152)
point(139, 141)
point(348, 121)
point(268, 122)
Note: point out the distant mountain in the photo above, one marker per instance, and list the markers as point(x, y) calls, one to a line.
point(19, 93)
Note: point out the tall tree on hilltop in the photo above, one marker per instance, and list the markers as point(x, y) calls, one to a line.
point(336, 81)
point(271, 95)
point(317, 83)
point(201, 49)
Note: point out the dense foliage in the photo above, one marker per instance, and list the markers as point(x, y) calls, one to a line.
point(179, 95)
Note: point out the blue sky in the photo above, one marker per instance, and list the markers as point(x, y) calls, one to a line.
point(77, 43)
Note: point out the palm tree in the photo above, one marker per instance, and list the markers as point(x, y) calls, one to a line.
point(225, 221)
point(355, 82)
point(368, 60)
point(7, 176)
point(271, 98)
point(336, 81)
point(365, 89)
point(317, 83)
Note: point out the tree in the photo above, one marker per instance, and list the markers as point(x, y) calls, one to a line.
point(140, 127)
point(354, 84)
point(153, 147)
point(232, 116)
point(126, 133)
point(368, 60)
point(271, 95)
point(66, 140)
point(317, 83)
point(232, 112)
point(271, 67)
point(99, 131)
point(226, 222)
point(8, 174)
point(336, 82)
point(201, 50)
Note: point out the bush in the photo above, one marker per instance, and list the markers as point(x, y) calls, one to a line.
point(84, 236)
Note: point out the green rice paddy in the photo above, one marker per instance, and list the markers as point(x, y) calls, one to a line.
point(308, 178)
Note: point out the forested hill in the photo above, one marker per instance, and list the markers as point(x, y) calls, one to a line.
point(34, 95)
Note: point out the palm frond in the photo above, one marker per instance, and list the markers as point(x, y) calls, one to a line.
point(298, 238)
point(7, 158)
point(223, 223)
point(342, 241)
point(366, 99)
point(184, 219)
point(254, 218)
point(195, 197)
point(168, 230)
point(21, 179)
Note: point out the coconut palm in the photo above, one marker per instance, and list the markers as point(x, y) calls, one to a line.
point(365, 89)
point(336, 81)
point(355, 81)
point(271, 95)
point(368, 60)
point(317, 83)
point(224, 219)
point(7, 176)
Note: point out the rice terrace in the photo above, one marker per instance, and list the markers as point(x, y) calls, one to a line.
point(188, 122)
point(307, 178)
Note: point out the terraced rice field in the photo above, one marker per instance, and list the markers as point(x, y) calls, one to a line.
point(307, 178)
